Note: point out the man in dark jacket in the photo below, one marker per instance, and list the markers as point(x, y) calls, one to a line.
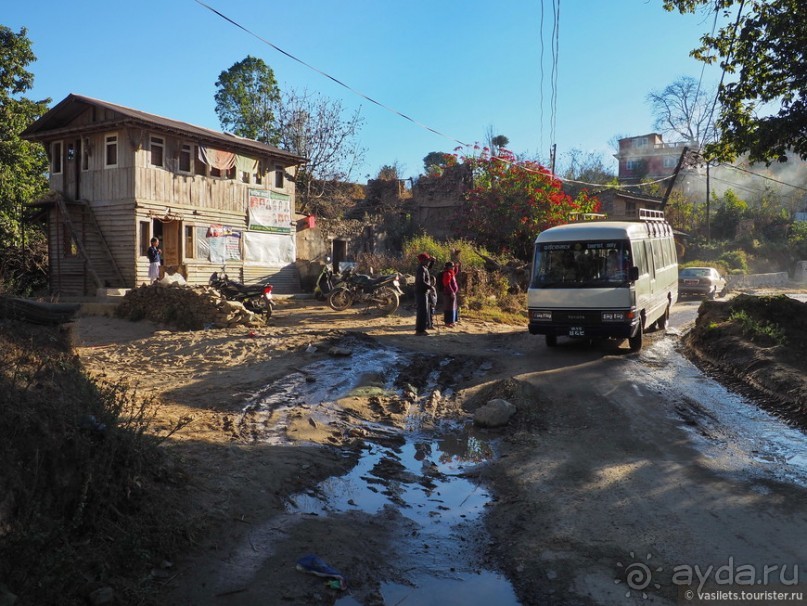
point(422, 284)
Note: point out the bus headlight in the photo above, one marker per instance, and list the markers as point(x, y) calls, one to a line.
point(541, 316)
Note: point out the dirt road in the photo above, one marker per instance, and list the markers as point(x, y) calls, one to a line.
point(599, 491)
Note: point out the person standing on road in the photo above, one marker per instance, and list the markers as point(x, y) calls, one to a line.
point(450, 289)
point(154, 253)
point(422, 284)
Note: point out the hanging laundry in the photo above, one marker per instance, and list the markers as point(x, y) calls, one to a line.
point(216, 158)
point(245, 164)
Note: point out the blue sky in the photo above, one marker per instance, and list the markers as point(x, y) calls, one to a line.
point(456, 67)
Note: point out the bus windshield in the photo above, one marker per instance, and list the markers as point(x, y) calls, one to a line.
point(596, 264)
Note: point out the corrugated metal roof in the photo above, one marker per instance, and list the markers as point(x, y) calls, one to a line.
point(59, 117)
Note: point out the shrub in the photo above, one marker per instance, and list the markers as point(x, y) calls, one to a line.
point(735, 260)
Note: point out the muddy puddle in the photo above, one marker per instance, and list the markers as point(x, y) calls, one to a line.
point(419, 463)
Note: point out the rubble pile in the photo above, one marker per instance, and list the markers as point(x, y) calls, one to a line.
point(185, 307)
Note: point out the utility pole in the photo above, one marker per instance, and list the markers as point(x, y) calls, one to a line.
point(674, 176)
point(552, 151)
point(708, 221)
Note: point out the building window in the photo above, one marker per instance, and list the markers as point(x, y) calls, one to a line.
point(85, 154)
point(244, 176)
point(630, 208)
point(231, 173)
point(631, 164)
point(185, 159)
point(144, 239)
point(190, 246)
point(670, 161)
point(199, 167)
point(258, 174)
point(157, 151)
point(215, 172)
point(56, 158)
point(111, 151)
point(640, 142)
point(279, 176)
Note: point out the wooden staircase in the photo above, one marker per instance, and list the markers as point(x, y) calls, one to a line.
point(104, 271)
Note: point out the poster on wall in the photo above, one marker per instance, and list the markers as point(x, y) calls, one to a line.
point(269, 211)
point(269, 249)
point(218, 244)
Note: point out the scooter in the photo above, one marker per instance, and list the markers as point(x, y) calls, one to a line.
point(325, 281)
point(256, 298)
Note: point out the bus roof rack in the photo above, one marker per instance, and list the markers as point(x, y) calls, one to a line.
point(646, 214)
point(578, 216)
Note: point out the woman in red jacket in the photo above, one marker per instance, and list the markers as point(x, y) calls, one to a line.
point(450, 289)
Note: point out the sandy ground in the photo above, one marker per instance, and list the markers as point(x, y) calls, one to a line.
point(595, 473)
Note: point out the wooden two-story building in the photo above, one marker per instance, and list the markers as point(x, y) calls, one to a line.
point(119, 177)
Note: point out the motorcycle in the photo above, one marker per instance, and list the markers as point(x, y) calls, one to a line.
point(256, 298)
point(383, 292)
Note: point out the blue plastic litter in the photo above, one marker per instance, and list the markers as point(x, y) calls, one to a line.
point(313, 564)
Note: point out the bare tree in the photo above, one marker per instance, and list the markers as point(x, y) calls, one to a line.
point(314, 126)
point(683, 108)
point(587, 167)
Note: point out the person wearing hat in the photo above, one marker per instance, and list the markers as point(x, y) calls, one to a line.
point(422, 283)
point(450, 290)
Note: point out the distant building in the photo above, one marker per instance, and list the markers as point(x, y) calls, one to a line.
point(647, 157)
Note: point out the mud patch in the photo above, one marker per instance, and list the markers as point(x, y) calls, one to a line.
point(758, 347)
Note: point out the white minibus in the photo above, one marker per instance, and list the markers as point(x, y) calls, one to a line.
point(595, 279)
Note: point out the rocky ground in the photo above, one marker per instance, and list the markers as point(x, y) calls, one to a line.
point(240, 478)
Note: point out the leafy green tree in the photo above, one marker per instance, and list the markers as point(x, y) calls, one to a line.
point(246, 97)
point(764, 103)
point(730, 211)
point(433, 160)
point(512, 200)
point(23, 165)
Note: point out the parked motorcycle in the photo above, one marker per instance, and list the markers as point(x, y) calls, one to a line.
point(256, 298)
point(383, 292)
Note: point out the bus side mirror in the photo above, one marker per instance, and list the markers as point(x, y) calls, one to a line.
point(633, 274)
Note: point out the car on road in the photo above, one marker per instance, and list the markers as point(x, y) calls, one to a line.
point(701, 281)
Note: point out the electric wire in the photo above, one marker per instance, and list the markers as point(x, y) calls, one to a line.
point(336, 80)
point(723, 72)
point(745, 170)
point(541, 81)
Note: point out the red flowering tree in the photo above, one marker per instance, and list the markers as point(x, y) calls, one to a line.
point(512, 200)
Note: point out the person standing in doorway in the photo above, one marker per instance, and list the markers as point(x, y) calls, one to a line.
point(154, 253)
point(422, 284)
point(450, 289)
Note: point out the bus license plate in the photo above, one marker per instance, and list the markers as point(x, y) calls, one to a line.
point(576, 331)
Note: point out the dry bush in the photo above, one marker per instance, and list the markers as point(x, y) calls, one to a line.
point(83, 499)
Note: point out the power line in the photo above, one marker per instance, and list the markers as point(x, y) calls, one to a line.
point(541, 87)
point(336, 80)
point(744, 170)
point(723, 73)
